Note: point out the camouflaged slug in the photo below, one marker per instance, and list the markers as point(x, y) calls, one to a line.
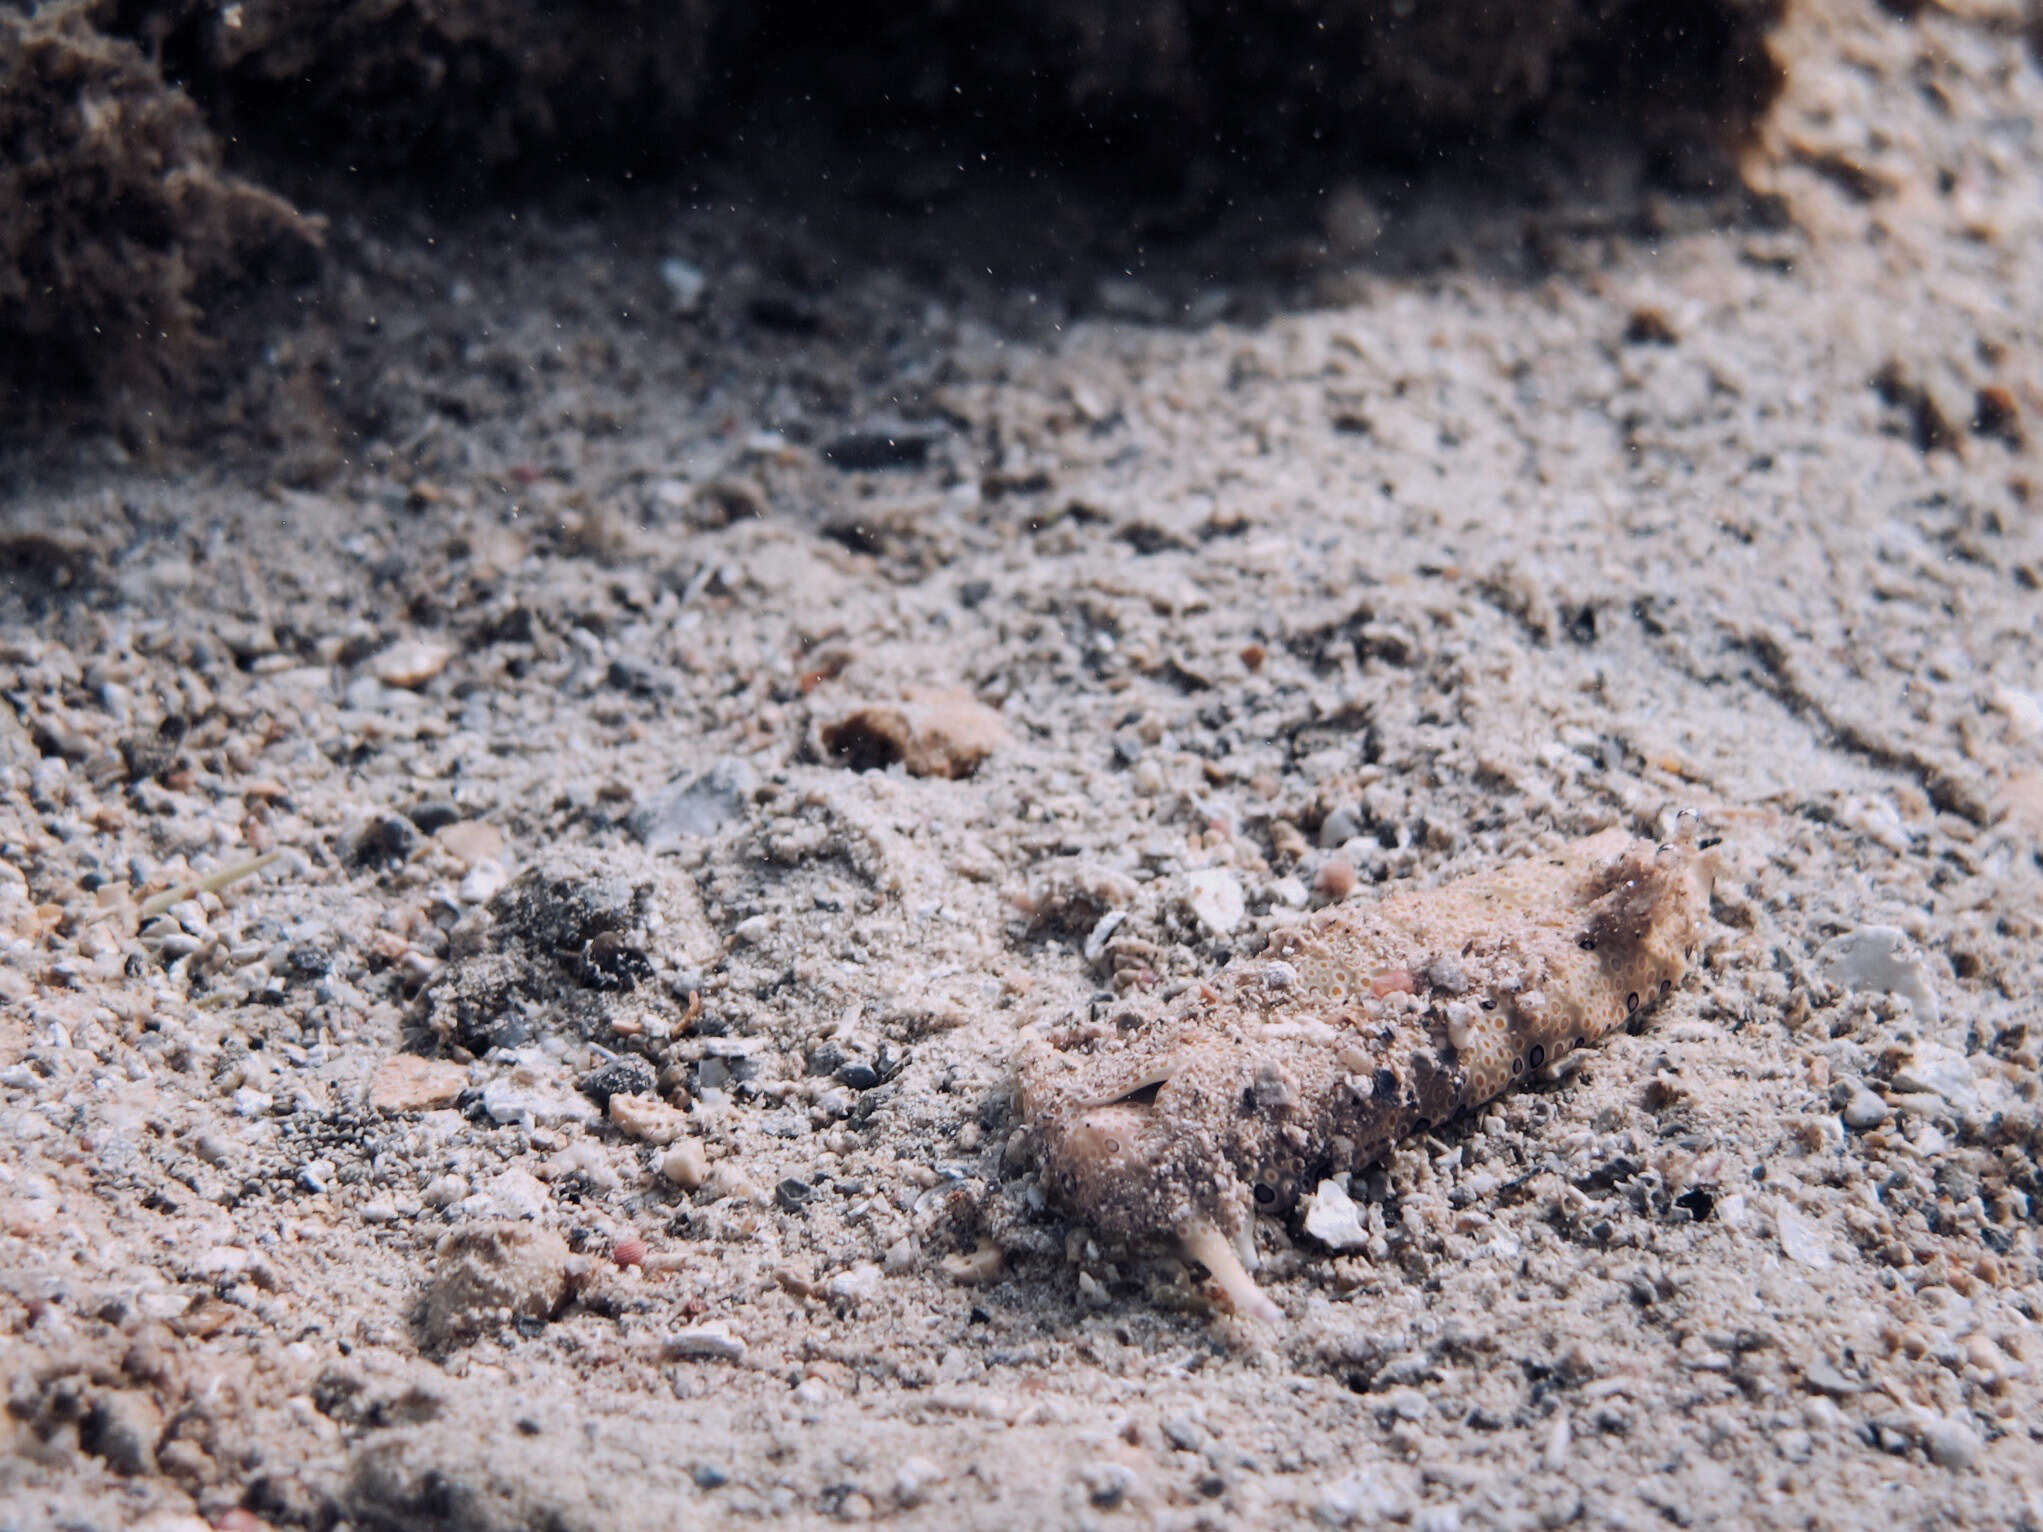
point(1362, 1024)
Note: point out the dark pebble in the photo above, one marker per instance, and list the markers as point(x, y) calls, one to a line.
point(793, 1194)
point(625, 1075)
point(385, 841)
point(784, 314)
point(857, 450)
point(858, 1075)
point(150, 755)
point(306, 961)
point(434, 814)
point(709, 1476)
point(825, 1058)
point(637, 678)
point(972, 592)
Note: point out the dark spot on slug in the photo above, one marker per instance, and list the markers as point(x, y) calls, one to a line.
point(1586, 943)
point(1708, 841)
point(1517, 1067)
point(1666, 985)
point(1538, 1055)
point(1581, 1042)
point(1631, 1002)
point(1385, 1085)
point(1489, 1005)
point(1265, 1193)
point(1423, 1125)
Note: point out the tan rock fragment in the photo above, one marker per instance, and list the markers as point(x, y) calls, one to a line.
point(472, 841)
point(686, 1165)
point(648, 1118)
point(975, 1267)
point(407, 1083)
point(412, 662)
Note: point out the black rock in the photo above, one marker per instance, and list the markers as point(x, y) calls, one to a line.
point(896, 447)
point(793, 1194)
point(433, 814)
point(625, 1075)
point(385, 841)
point(637, 678)
point(858, 1074)
point(306, 961)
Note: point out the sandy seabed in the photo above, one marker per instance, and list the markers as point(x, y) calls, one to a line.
point(516, 938)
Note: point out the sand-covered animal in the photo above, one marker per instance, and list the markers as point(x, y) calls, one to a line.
point(1365, 1022)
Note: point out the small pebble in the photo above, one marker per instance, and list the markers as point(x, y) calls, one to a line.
point(1109, 1484)
point(626, 1075)
point(793, 1194)
point(647, 1118)
point(1864, 1110)
point(1332, 1218)
point(704, 1343)
point(1950, 1443)
point(385, 840)
point(913, 1481)
point(858, 1074)
point(1336, 880)
point(855, 1285)
point(686, 1165)
point(685, 282)
point(1214, 896)
point(411, 663)
point(1407, 1404)
point(1800, 1239)
point(406, 1083)
point(1340, 827)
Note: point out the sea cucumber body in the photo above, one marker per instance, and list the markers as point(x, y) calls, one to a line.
point(1363, 1024)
